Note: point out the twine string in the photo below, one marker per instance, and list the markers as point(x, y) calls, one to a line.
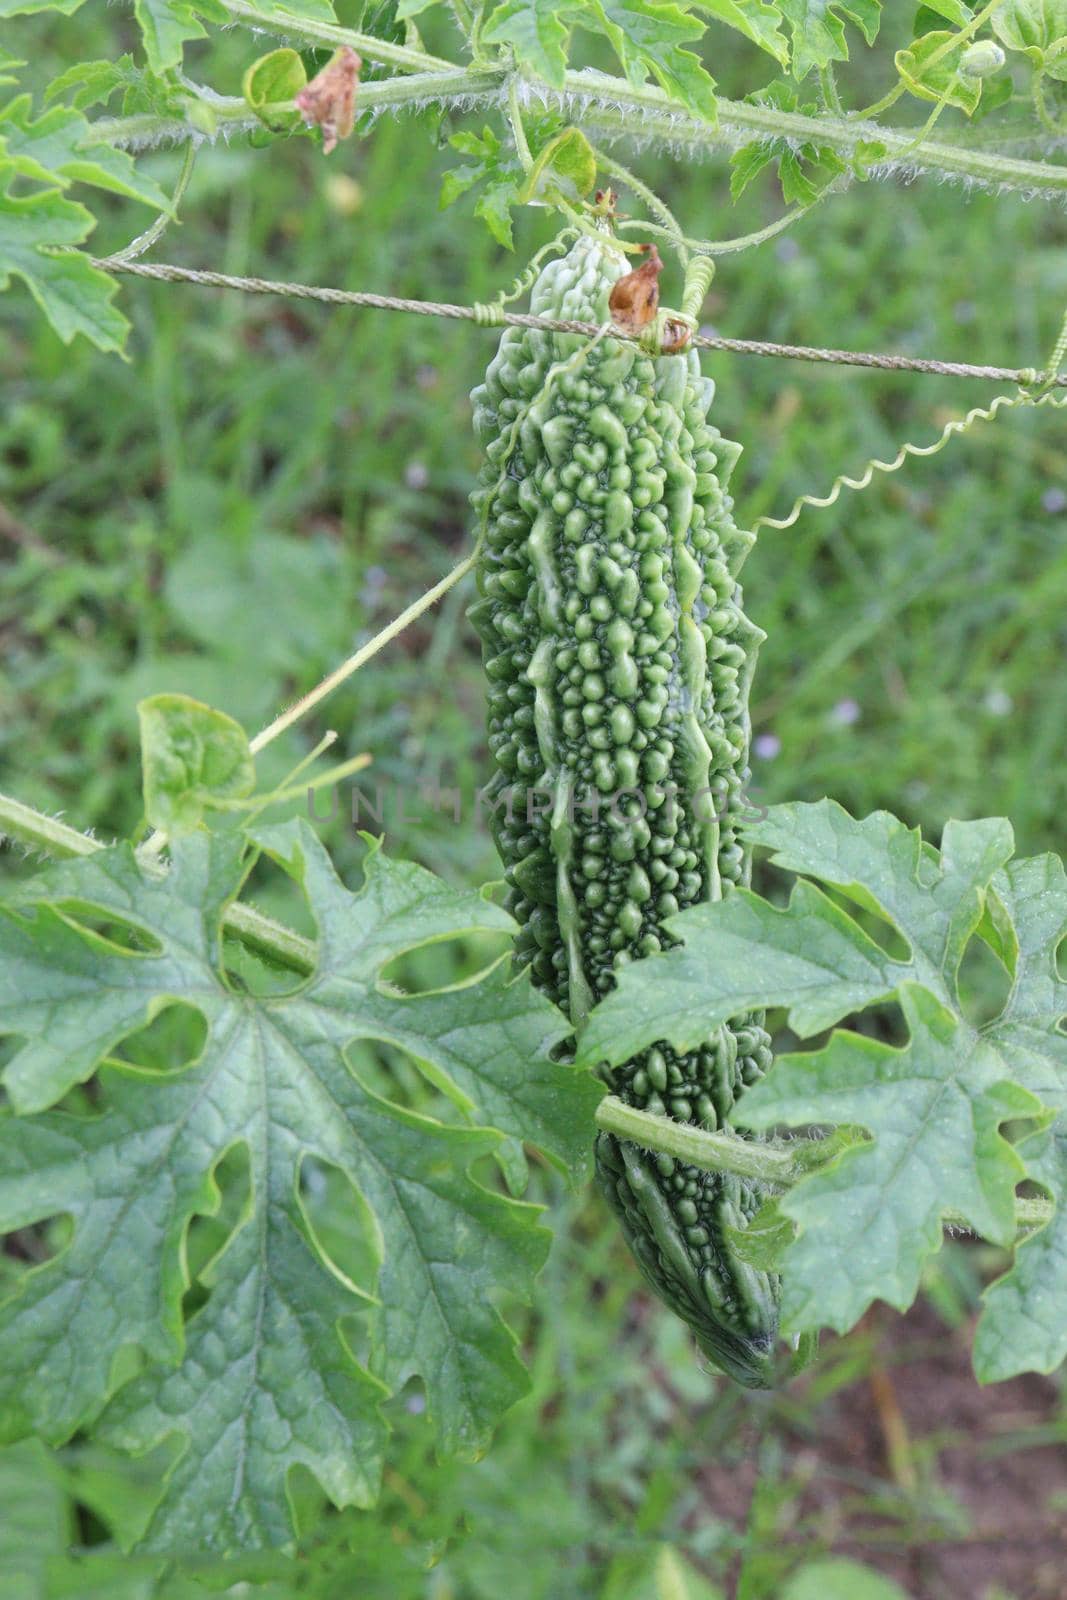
point(496, 316)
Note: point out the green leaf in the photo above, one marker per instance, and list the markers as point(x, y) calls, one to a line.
point(741, 954)
point(536, 31)
point(93, 83)
point(277, 12)
point(261, 1377)
point(1029, 25)
point(498, 170)
point(566, 164)
point(27, 8)
point(996, 92)
point(273, 80)
point(1036, 28)
point(648, 38)
point(74, 295)
point(953, 11)
point(757, 20)
point(747, 163)
point(494, 207)
point(941, 81)
point(804, 171)
point(765, 1238)
point(36, 1522)
point(868, 1222)
point(870, 1216)
point(661, 1573)
point(802, 182)
point(837, 1578)
point(935, 900)
point(167, 26)
point(193, 758)
point(1024, 1325)
point(59, 148)
point(219, 591)
point(818, 29)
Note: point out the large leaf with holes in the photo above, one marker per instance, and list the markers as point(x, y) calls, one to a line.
point(1024, 1325)
point(262, 1376)
point(888, 918)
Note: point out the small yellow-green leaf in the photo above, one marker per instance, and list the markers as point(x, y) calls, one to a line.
point(940, 79)
point(193, 758)
point(270, 86)
point(566, 164)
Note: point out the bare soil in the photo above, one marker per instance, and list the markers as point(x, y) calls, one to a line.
point(957, 1492)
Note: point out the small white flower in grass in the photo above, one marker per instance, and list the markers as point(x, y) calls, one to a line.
point(999, 703)
point(846, 713)
point(766, 746)
point(1054, 501)
point(416, 475)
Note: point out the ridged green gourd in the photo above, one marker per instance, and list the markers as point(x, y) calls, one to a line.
point(618, 661)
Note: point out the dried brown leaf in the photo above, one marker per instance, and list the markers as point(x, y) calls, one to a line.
point(634, 300)
point(329, 100)
point(675, 337)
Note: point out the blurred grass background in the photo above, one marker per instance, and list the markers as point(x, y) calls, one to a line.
point(265, 484)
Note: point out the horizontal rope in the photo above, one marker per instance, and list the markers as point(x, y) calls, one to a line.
point(164, 272)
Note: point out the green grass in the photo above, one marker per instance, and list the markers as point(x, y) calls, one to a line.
point(264, 485)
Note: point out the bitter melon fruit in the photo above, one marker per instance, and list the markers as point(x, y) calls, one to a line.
point(618, 662)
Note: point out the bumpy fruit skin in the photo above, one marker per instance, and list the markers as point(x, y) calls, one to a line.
point(618, 662)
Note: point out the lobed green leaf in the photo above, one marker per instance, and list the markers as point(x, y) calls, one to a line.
point(263, 1376)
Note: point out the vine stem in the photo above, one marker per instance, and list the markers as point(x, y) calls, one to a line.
point(261, 934)
point(712, 1152)
point(776, 1165)
point(607, 99)
point(725, 247)
point(518, 132)
point(152, 234)
point(335, 678)
point(671, 228)
point(1037, 91)
point(233, 115)
point(396, 55)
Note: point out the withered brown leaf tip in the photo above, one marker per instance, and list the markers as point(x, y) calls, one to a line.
point(329, 100)
point(676, 336)
point(634, 300)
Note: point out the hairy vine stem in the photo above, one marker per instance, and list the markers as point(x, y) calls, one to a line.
point(777, 1165)
point(605, 102)
point(264, 936)
point(395, 55)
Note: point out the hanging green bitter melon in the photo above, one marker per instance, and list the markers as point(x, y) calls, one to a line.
point(618, 661)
